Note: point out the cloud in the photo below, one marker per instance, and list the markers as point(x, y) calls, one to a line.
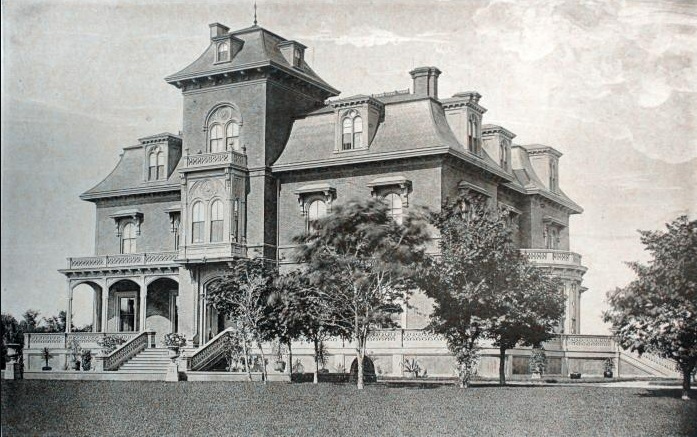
point(364, 36)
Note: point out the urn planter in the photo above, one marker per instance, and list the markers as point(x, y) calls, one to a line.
point(279, 366)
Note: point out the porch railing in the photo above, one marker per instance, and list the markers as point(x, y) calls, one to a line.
point(209, 352)
point(60, 340)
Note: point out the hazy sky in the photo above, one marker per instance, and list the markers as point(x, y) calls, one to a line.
point(611, 84)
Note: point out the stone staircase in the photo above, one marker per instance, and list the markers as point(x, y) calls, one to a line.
point(152, 361)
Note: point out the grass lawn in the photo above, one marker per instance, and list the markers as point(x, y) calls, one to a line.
point(68, 408)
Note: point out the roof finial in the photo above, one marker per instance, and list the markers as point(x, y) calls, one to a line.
point(255, 13)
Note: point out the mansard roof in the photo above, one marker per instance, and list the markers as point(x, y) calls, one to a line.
point(413, 126)
point(527, 179)
point(260, 48)
point(128, 177)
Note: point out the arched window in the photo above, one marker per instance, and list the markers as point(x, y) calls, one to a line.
point(197, 223)
point(553, 176)
point(224, 126)
point(394, 202)
point(351, 131)
point(223, 52)
point(152, 166)
point(128, 238)
point(232, 136)
point(216, 139)
point(216, 221)
point(316, 210)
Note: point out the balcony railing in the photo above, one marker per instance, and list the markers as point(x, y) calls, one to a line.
point(61, 340)
point(207, 251)
point(213, 159)
point(552, 257)
point(124, 260)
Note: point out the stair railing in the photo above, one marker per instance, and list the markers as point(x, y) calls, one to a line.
point(208, 352)
point(129, 350)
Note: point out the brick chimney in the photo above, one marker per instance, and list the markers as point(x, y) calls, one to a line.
point(218, 29)
point(425, 81)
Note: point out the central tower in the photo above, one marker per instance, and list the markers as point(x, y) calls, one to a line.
point(240, 99)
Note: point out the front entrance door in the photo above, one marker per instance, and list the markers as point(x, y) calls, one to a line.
point(127, 314)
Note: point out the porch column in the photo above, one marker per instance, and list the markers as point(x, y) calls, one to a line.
point(95, 309)
point(143, 302)
point(69, 313)
point(105, 308)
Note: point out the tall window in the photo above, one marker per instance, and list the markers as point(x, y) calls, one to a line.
point(316, 210)
point(216, 139)
point(504, 154)
point(553, 175)
point(223, 52)
point(127, 314)
point(160, 165)
point(296, 58)
point(394, 202)
point(232, 136)
point(197, 223)
point(128, 238)
point(472, 134)
point(552, 238)
point(351, 131)
point(152, 166)
point(216, 221)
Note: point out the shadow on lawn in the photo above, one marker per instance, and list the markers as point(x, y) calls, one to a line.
point(675, 393)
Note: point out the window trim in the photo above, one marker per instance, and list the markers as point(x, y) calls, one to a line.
point(348, 120)
point(218, 52)
point(202, 231)
point(214, 202)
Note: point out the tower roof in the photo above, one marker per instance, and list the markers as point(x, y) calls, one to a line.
point(258, 48)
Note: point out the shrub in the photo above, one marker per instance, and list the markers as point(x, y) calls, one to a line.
point(109, 343)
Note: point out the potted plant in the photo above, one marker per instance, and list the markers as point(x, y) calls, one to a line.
point(109, 343)
point(538, 362)
point(609, 365)
point(174, 341)
point(46, 355)
point(86, 359)
point(75, 354)
point(298, 367)
point(575, 375)
point(412, 368)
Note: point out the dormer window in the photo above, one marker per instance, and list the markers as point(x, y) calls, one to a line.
point(503, 153)
point(297, 57)
point(352, 131)
point(223, 52)
point(553, 182)
point(156, 165)
point(472, 138)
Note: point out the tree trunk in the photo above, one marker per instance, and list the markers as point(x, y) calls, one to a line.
point(686, 382)
point(290, 362)
point(314, 376)
point(246, 358)
point(264, 373)
point(502, 365)
point(359, 357)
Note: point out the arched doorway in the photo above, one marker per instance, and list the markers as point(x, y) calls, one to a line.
point(123, 314)
point(161, 307)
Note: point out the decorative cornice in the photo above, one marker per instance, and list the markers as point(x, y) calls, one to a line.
point(490, 129)
point(148, 190)
point(540, 149)
point(356, 101)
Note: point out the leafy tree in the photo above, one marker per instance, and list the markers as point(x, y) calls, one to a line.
point(55, 323)
point(528, 305)
point(657, 312)
point(311, 313)
point(30, 321)
point(483, 287)
point(243, 296)
point(363, 262)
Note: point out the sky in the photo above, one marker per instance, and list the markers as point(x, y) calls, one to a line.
point(610, 84)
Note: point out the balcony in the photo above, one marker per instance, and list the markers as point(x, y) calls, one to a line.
point(209, 160)
point(211, 251)
point(121, 261)
point(553, 258)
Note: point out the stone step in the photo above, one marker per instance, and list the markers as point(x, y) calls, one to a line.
point(158, 369)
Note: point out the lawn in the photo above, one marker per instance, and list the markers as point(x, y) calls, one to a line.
point(69, 408)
